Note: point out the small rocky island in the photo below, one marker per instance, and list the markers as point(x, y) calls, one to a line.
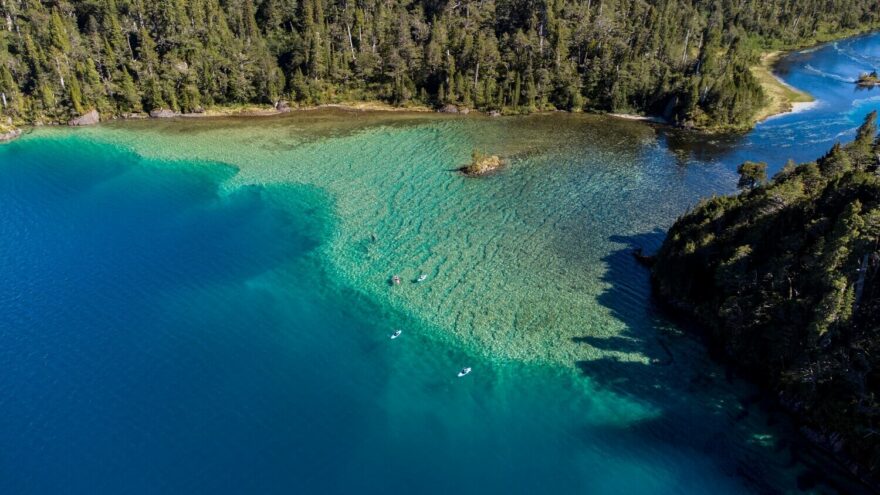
point(867, 80)
point(481, 164)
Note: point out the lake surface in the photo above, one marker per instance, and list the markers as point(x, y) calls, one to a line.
point(203, 306)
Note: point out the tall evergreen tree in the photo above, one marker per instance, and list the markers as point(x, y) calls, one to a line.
point(685, 59)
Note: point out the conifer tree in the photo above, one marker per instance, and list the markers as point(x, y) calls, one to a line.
point(683, 59)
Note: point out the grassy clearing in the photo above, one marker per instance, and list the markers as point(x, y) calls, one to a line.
point(780, 96)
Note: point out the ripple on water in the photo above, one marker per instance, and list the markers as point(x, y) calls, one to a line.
point(516, 261)
point(531, 264)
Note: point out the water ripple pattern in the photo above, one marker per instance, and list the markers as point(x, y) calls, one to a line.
point(216, 294)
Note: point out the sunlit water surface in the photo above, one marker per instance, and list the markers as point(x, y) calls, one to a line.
point(203, 306)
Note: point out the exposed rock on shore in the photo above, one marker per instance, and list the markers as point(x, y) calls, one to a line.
point(8, 132)
point(89, 118)
point(163, 113)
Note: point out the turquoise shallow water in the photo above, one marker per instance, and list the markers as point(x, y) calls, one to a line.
point(203, 307)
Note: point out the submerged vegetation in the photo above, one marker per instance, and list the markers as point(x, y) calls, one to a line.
point(786, 276)
point(683, 59)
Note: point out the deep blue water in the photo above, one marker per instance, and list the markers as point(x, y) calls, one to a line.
point(162, 337)
point(160, 333)
point(117, 278)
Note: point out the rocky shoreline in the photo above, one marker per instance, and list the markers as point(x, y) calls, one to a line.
point(8, 134)
point(93, 117)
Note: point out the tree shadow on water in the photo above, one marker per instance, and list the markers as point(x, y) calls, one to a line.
point(650, 360)
point(700, 409)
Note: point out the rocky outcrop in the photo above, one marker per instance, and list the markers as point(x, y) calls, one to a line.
point(89, 118)
point(482, 165)
point(449, 108)
point(282, 107)
point(8, 134)
point(163, 113)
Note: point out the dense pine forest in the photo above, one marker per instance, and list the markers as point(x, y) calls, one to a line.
point(684, 59)
point(786, 276)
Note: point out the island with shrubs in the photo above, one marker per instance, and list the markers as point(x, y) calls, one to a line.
point(868, 80)
point(481, 164)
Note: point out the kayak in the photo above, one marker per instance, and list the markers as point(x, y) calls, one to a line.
point(464, 372)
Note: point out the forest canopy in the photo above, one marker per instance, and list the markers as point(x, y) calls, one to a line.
point(684, 59)
point(786, 278)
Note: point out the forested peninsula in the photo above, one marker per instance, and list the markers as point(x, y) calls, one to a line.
point(685, 60)
point(785, 276)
